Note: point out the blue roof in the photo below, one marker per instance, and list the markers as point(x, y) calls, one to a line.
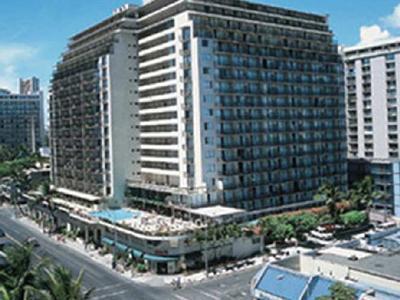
point(291, 285)
point(282, 283)
point(318, 287)
point(116, 215)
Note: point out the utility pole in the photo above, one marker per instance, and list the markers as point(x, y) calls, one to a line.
point(206, 252)
point(114, 260)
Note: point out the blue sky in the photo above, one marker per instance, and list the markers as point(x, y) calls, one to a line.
point(35, 32)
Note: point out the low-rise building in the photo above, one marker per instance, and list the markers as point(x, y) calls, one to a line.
point(166, 243)
point(370, 266)
point(386, 176)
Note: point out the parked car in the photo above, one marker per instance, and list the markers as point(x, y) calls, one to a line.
point(2, 233)
point(33, 242)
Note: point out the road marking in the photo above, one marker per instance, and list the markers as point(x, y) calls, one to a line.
point(180, 297)
point(206, 294)
point(21, 245)
point(113, 286)
point(107, 296)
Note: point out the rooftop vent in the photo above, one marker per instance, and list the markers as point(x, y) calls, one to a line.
point(123, 8)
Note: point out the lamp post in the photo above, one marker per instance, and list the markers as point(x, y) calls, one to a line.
point(206, 252)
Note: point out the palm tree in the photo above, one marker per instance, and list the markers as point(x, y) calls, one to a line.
point(331, 195)
point(363, 194)
point(58, 283)
point(4, 294)
point(19, 272)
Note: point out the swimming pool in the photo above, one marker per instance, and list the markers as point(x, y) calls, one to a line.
point(115, 215)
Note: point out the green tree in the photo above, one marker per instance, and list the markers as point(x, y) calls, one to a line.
point(20, 271)
point(339, 291)
point(58, 283)
point(4, 293)
point(303, 223)
point(283, 231)
point(22, 279)
point(277, 229)
point(353, 218)
point(331, 195)
point(363, 194)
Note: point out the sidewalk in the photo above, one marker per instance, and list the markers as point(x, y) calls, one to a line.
point(147, 278)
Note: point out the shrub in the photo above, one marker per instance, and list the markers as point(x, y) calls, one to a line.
point(353, 218)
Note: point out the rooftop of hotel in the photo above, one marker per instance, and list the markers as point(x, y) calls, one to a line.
point(138, 221)
point(372, 46)
point(145, 222)
point(217, 211)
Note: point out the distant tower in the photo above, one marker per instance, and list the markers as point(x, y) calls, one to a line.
point(29, 86)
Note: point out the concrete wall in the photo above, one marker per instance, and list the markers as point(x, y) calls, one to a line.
point(379, 107)
point(315, 266)
point(245, 247)
point(123, 113)
point(374, 280)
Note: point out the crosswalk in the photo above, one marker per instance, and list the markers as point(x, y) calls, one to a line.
point(194, 293)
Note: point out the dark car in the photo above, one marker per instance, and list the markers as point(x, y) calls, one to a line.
point(33, 242)
point(2, 233)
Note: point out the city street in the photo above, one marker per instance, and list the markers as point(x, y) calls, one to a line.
point(110, 285)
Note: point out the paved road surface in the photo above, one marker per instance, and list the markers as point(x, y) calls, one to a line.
point(110, 285)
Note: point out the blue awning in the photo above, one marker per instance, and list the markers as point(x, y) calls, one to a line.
point(122, 247)
point(137, 253)
point(109, 242)
point(157, 258)
point(151, 257)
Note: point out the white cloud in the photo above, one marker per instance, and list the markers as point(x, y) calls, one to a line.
point(393, 20)
point(11, 56)
point(370, 34)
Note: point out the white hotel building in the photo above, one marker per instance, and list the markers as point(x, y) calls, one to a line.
point(199, 103)
point(372, 87)
point(373, 117)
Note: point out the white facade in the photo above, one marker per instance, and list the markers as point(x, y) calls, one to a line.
point(372, 92)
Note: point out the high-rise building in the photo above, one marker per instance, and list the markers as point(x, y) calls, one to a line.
point(372, 104)
point(22, 119)
point(372, 99)
point(93, 118)
point(240, 104)
point(29, 86)
point(236, 103)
